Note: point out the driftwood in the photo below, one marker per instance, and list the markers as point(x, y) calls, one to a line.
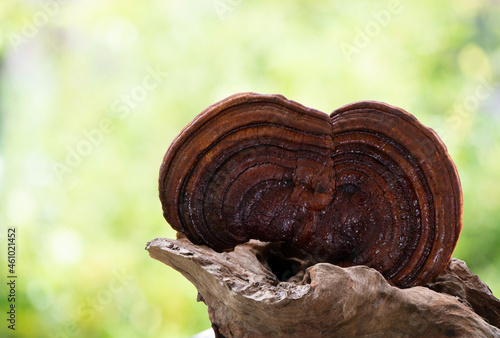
point(274, 290)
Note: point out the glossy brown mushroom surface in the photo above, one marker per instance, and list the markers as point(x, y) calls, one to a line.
point(367, 185)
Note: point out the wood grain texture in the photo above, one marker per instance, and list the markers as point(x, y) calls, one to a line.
point(367, 185)
point(250, 294)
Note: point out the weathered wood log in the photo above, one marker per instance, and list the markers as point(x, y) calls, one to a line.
point(273, 290)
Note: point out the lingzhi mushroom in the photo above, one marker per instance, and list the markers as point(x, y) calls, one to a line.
point(367, 185)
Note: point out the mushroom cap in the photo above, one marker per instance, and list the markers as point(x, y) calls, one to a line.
point(367, 185)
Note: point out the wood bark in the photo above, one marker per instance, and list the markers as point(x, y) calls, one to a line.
point(274, 290)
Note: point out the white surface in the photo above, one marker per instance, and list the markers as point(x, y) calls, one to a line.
point(205, 334)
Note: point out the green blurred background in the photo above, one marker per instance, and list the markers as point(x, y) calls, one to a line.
point(93, 92)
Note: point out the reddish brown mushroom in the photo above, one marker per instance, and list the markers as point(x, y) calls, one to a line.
point(369, 185)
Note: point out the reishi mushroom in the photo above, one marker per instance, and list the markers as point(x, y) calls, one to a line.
point(367, 185)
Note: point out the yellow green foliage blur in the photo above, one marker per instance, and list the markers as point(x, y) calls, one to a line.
point(93, 92)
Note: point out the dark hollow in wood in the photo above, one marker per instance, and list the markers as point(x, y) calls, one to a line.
point(367, 185)
point(247, 298)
